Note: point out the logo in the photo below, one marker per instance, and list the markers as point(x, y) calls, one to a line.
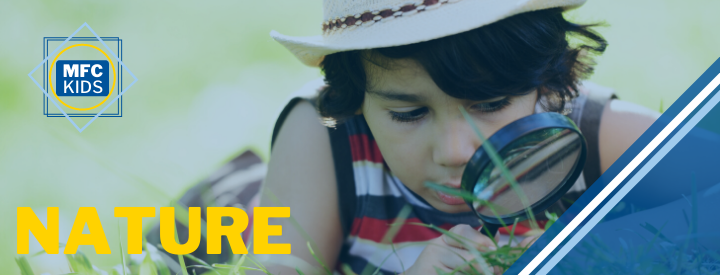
point(82, 77)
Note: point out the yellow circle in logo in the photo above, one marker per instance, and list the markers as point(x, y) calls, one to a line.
point(52, 87)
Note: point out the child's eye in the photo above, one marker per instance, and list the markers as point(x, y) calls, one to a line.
point(410, 116)
point(489, 107)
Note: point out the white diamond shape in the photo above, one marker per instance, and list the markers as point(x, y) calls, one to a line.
point(122, 65)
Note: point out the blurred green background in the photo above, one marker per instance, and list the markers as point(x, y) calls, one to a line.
point(212, 81)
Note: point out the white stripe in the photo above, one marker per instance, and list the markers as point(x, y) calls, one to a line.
point(371, 179)
point(398, 186)
point(621, 176)
point(383, 256)
point(629, 186)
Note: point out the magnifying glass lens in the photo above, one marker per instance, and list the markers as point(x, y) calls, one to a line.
point(540, 162)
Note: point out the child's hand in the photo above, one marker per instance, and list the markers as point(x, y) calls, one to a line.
point(529, 240)
point(447, 254)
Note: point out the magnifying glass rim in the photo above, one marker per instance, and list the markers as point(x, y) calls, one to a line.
point(506, 136)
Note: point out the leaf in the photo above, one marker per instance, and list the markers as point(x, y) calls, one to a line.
point(347, 270)
point(157, 259)
point(79, 263)
point(147, 267)
point(552, 218)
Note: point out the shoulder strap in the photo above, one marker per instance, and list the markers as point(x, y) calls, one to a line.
point(283, 115)
point(342, 159)
point(344, 175)
point(590, 128)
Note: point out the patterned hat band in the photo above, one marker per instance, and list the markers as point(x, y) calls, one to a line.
point(350, 24)
point(370, 17)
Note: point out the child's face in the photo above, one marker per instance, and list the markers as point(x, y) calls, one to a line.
point(422, 134)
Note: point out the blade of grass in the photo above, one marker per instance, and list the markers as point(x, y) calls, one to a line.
point(181, 259)
point(294, 223)
point(239, 265)
point(258, 264)
point(196, 259)
point(390, 234)
point(495, 157)
point(552, 218)
point(204, 267)
point(122, 252)
point(81, 264)
point(312, 252)
point(183, 267)
point(234, 267)
point(512, 232)
point(402, 266)
point(24, 266)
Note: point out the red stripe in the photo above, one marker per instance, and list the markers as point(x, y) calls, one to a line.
point(375, 229)
point(363, 148)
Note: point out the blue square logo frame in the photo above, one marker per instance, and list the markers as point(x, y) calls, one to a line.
point(117, 112)
point(110, 51)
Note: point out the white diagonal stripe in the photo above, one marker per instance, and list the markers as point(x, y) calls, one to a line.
point(629, 186)
point(622, 175)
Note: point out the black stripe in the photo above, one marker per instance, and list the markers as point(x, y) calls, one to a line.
point(388, 207)
point(590, 128)
point(358, 264)
point(344, 175)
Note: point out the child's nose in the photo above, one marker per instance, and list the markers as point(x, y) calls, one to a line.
point(455, 144)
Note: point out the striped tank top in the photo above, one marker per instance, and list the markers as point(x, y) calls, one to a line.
point(372, 198)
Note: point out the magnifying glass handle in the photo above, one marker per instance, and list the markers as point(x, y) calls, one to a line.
point(492, 228)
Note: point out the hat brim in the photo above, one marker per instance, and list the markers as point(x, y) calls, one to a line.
point(445, 20)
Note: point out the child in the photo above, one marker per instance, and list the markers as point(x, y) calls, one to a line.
point(395, 75)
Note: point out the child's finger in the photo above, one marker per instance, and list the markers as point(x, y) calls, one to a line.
point(528, 241)
point(456, 258)
point(467, 236)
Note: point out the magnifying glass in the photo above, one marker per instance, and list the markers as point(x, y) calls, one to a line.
point(542, 154)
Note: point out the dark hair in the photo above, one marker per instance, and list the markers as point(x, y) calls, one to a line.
point(511, 57)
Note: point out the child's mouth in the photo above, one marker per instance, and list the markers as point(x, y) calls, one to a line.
point(449, 199)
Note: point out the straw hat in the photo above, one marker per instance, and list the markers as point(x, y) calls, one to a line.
point(357, 24)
